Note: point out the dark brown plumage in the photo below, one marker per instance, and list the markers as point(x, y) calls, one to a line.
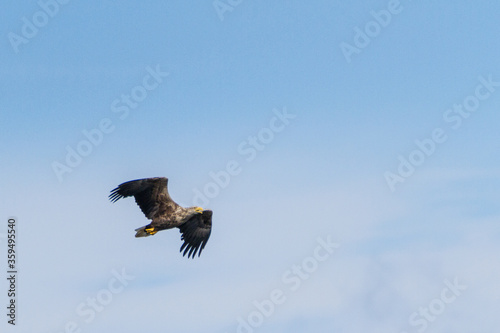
point(151, 195)
point(196, 232)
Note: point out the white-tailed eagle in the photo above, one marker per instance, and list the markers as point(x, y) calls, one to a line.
point(151, 195)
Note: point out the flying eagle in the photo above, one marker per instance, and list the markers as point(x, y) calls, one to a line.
point(151, 195)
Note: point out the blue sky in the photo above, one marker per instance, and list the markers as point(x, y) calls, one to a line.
point(315, 134)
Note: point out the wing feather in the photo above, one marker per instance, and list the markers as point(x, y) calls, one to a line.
point(149, 194)
point(195, 233)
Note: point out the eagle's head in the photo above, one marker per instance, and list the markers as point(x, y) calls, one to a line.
point(196, 210)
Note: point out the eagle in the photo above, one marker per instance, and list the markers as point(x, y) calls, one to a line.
point(151, 195)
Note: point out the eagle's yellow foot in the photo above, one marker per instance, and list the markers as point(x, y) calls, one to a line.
point(199, 210)
point(151, 230)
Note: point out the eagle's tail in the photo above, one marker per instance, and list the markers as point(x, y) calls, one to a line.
point(141, 232)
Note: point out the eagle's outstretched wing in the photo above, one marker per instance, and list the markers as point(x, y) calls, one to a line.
point(149, 193)
point(195, 233)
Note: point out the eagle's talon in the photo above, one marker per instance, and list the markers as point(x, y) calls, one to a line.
point(151, 230)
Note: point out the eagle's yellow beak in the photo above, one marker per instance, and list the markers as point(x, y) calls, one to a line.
point(199, 210)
